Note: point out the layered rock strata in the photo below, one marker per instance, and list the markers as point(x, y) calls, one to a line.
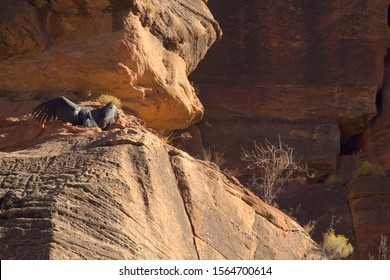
point(124, 194)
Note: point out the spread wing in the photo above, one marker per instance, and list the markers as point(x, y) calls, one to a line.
point(57, 108)
point(105, 116)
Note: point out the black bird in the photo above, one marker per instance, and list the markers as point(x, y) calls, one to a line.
point(65, 110)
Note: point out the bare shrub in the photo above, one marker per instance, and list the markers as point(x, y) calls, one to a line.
point(216, 157)
point(276, 166)
point(383, 251)
point(169, 137)
point(309, 227)
point(233, 172)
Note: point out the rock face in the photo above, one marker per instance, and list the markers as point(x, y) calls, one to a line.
point(369, 200)
point(124, 194)
point(140, 51)
point(322, 206)
point(314, 74)
point(307, 71)
point(74, 193)
point(375, 140)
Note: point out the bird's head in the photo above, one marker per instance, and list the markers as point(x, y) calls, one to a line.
point(110, 106)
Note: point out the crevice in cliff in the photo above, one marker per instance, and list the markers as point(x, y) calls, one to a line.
point(350, 146)
point(354, 144)
point(353, 229)
point(388, 15)
point(184, 193)
point(379, 102)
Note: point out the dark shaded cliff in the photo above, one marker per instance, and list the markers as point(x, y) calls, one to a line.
point(311, 73)
point(307, 71)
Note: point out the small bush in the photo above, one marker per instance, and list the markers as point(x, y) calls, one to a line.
point(277, 166)
point(367, 168)
point(336, 246)
point(105, 98)
point(167, 138)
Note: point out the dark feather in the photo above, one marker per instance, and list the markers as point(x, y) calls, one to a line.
point(63, 109)
point(57, 108)
point(106, 115)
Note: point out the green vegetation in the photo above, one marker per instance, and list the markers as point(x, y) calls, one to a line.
point(336, 246)
point(167, 137)
point(367, 168)
point(105, 98)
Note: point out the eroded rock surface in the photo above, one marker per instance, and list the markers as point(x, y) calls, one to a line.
point(124, 194)
point(140, 51)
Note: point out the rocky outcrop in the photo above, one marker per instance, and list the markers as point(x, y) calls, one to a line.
point(306, 71)
point(124, 194)
point(140, 51)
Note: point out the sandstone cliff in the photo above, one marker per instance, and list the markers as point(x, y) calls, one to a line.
point(141, 51)
point(315, 74)
point(307, 71)
point(310, 72)
point(124, 194)
point(75, 193)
